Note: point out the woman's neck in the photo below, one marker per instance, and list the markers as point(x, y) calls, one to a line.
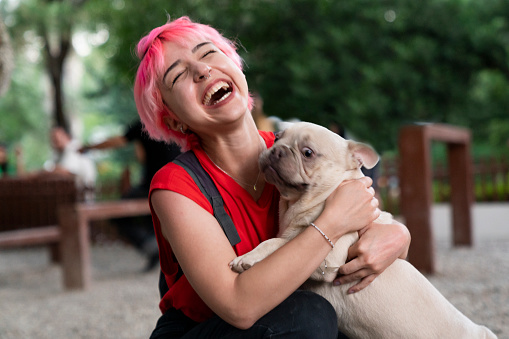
point(236, 154)
point(228, 146)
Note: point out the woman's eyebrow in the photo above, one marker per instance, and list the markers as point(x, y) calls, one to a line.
point(175, 64)
point(197, 47)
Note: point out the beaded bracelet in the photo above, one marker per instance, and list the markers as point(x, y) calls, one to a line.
point(324, 235)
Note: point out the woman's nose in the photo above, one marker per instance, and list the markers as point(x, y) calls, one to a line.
point(202, 72)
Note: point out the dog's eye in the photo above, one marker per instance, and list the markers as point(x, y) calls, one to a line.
point(307, 152)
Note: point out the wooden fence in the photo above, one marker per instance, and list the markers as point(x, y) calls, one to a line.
point(491, 181)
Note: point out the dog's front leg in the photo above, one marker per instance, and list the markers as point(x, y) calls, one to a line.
point(266, 248)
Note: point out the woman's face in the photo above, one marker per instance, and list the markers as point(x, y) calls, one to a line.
point(202, 86)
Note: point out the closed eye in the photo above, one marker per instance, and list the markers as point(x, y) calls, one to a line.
point(208, 53)
point(176, 78)
point(178, 75)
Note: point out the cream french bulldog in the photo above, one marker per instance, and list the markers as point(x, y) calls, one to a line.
point(306, 164)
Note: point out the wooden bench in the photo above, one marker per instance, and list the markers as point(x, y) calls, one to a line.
point(416, 187)
point(28, 211)
point(74, 221)
point(47, 211)
point(30, 237)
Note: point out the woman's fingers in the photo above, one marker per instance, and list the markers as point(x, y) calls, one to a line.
point(362, 284)
point(353, 271)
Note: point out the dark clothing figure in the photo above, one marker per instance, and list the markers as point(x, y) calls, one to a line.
point(156, 154)
point(153, 155)
point(372, 172)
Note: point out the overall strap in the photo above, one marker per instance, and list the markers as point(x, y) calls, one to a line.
point(190, 163)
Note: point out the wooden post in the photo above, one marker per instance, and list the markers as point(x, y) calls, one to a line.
point(75, 244)
point(74, 248)
point(416, 187)
point(462, 197)
point(416, 195)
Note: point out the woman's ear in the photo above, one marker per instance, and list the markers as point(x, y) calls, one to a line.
point(171, 123)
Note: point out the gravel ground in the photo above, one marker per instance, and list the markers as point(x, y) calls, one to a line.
point(475, 280)
point(122, 302)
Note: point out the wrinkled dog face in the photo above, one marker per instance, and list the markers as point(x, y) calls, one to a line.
point(310, 157)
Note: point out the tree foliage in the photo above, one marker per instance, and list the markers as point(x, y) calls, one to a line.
point(374, 66)
point(369, 65)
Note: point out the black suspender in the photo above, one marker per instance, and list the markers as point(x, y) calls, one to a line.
point(190, 163)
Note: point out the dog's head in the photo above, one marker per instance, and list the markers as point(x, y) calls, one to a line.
point(309, 158)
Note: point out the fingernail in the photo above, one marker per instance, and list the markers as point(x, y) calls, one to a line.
point(337, 283)
point(351, 291)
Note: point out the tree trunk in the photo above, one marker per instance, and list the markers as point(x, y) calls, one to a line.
point(55, 59)
point(6, 58)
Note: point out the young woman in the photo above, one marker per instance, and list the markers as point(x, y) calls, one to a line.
point(190, 89)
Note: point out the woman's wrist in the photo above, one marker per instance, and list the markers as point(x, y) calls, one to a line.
point(323, 234)
point(327, 227)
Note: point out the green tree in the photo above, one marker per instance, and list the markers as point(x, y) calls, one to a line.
point(50, 24)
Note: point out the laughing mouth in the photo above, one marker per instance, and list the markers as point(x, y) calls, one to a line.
point(217, 93)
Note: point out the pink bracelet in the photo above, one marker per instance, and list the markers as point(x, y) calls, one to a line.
point(324, 235)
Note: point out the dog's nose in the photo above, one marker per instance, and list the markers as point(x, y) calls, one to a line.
point(278, 152)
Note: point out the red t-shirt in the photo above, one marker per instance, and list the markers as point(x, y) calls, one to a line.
point(255, 221)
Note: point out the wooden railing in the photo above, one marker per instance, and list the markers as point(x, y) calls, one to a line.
point(491, 181)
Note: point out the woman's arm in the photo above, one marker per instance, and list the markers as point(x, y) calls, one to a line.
point(204, 253)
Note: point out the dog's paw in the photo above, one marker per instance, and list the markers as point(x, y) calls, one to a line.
point(236, 265)
point(242, 263)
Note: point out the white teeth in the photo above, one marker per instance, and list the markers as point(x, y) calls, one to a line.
point(213, 90)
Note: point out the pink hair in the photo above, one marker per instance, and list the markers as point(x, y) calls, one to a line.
point(150, 51)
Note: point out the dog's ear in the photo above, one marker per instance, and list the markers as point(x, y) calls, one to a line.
point(363, 154)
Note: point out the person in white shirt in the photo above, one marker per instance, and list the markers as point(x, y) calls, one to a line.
point(67, 160)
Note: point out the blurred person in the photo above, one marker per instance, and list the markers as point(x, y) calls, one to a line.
point(66, 161)
point(267, 123)
point(263, 123)
point(7, 167)
point(152, 155)
point(190, 89)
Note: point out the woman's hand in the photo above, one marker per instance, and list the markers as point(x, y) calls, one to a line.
point(379, 245)
point(349, 208)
